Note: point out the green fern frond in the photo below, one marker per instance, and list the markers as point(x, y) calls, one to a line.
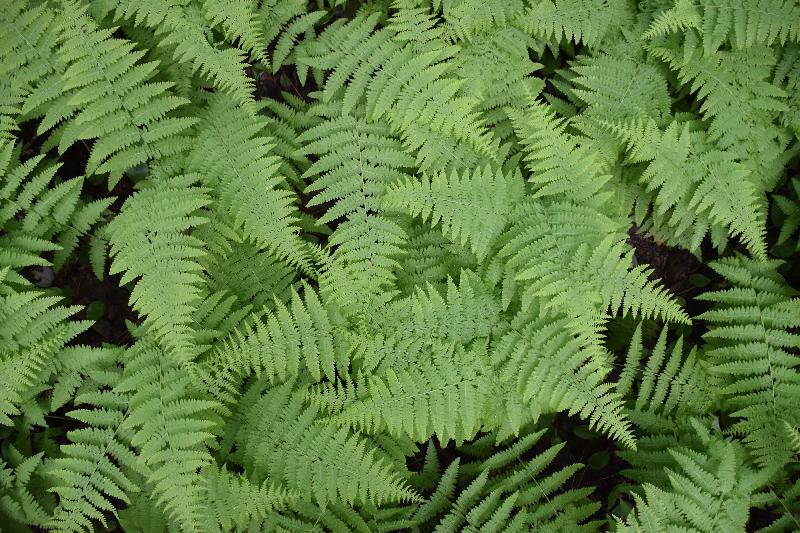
point(234, 158)
point(546, 242)
point(739, 103)
point(178, 29)
point(293, 338)
point(507, 492)
point(150, 242)
point(464, 20)
point(544, 369)
point(240, 23)
point(356, 162)
point(741, 23)
point(680, 17)
point(170, 427)
point(104, 93)
point(710, 492)
point(582, 21)
point(472, 208)
point(670, 383)
point(235, 502)
point(620, 88)
point(752, 350)
point(40, 212)
point(28, 54)
point(283, 441)
point(560, 164)
point(98, 464)
point(446, 396)
point(695, 186)
point(411, 85)
point(34, 329)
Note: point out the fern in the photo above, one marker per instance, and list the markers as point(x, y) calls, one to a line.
point(323, 463)
point(751, 348)
point(385, 261)
point(742, 24)
point(149, 244)
point(170, 430)
point(357, 161)
point(98, 464)
point(446, 397)
point(586, 21)
point(34, 330)
point(103, 92)
point(473, 209)
point(244, 175)
point(697, 187)
point(710, 491)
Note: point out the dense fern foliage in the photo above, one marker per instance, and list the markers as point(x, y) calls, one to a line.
point(400, 265)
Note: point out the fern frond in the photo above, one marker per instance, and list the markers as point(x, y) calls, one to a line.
point(410, 84)
point(739, 103)
point(34, 328)
point(620, 88)
point(104, 93)
point(170, 428)
point(28, 55)
point(710, 492)
point(752, 350)
point(240, 23)
point(544, 369)
point(545, 243)
point(745, 23)
point(234, 502)
point(150, 242)
point(695, 185)
point(559, 163)
point(40, 213)
point(98, 464)
point(670, 383)
point(472, 208)
point(293, 338)
point(234, 158)
point(283, 441)
point(356, 162)
point(507, 491)
point(581, 21)
point(446, 396)
point(179, 30)
point(680, 17)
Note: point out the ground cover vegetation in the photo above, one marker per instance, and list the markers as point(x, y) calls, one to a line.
point(399, 265)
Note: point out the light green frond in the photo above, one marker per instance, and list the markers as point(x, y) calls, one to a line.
point(542, 369)
point(233, 156)
point(620, 88)
point(709, 492)
point(695, 186)
point(356, 162)
point(151, 242)
point(473, 208)
point(234, 502)
point(283, 441)
point(582, 21)
point(179, 29)
point(299, 336)
point(446, 396)
point(170, 428)
point(34, 329)
point(105, 93)
point(98, 464)
point(560, 164)
point(752, 350)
